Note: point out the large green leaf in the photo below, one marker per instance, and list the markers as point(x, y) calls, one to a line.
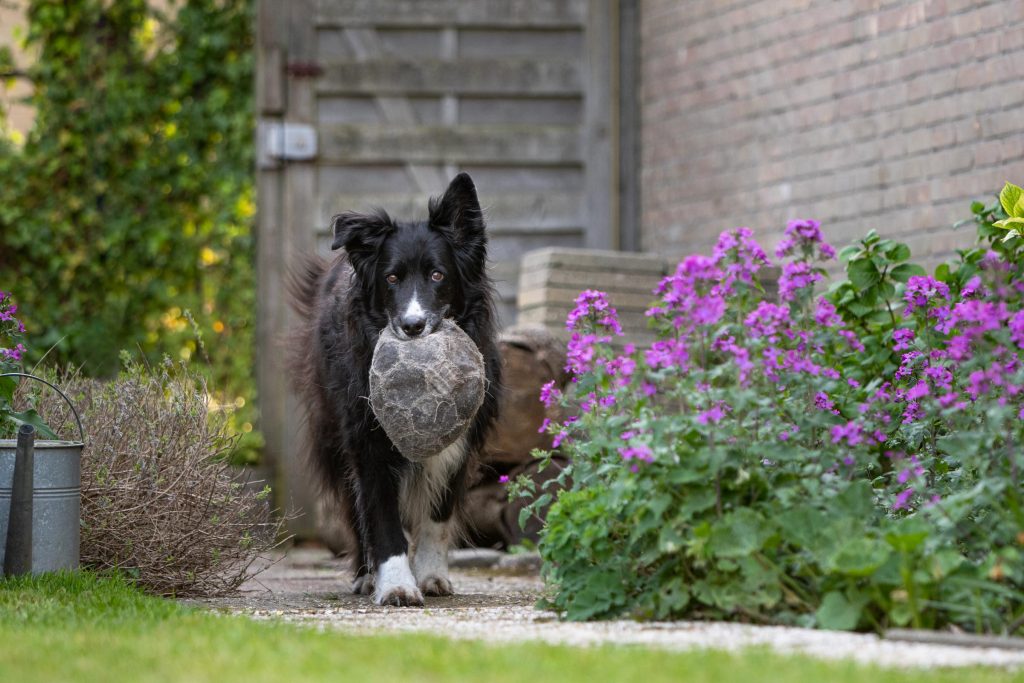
point(739, 533)
point(905, 271)
point(863, 273)
point(860, 557)
point(838, 612)
point(1009, 198)
point(35, 419)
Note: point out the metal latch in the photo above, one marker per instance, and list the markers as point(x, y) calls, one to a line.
point(282, 141)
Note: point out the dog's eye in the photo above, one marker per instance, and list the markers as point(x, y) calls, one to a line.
point(392, 279)
point(437, 276)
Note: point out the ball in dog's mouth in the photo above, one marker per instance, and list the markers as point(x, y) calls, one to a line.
point(425, 391)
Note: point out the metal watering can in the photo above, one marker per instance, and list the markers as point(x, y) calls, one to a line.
point(40, 498)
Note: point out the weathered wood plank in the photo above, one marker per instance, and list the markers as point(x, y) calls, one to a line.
point(417, 13)
point(506, 213)
point(594, 259)
point(621, 301)
point(578, 280)
point(507, 144)
point(527, 77)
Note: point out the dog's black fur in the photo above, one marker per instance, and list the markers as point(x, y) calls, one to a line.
point(409, 276)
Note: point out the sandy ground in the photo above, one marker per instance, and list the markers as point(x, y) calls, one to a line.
point(309, 586)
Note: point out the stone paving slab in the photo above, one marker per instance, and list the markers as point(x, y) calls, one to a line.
point(310, 587)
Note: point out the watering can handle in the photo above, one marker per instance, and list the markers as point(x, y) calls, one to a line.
point(78, 420)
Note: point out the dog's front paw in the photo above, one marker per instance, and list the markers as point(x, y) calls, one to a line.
point(395, 584)
point(436, 586)
point(400, 596)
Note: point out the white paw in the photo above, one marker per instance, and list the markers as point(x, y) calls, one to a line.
point(395, 584)
point(430, 560)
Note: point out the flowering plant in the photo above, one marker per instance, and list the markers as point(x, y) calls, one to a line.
point(12, 349)
point(848, 460)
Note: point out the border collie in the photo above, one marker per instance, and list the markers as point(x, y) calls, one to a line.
point(409, 276)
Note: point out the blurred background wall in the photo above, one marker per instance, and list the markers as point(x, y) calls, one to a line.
point(862, 114)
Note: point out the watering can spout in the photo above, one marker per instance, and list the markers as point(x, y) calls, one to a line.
point(18, 553)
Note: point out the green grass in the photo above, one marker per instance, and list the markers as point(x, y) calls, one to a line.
point(84, 627)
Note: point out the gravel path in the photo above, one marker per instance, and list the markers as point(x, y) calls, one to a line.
point(311, 587)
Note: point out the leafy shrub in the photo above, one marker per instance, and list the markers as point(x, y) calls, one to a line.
point(159, 501)
point(847, 461)
point(126, 212)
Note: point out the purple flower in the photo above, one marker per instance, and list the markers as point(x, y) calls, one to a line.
point(739, 255)
point(12, 354)
point(825, 313)
point(713, 415)
point(806, 235)
point(767, 320)
point(919, 390)
point(581, 350)
point(851, 431)
point(924, 291)
point(1016, 325)
point(852, 339)
point(795, 277)
point(549, 395)
point(667, 353)
point(915, 470)
point(823, 402)
point(503, 479)
point(640, 452)
point(903, 339)
point(593, 305)
point(903, 499)
point(973, 288)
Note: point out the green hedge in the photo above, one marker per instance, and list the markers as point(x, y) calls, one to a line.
point(126, 212)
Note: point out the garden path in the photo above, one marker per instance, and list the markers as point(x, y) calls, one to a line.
point(496, 604)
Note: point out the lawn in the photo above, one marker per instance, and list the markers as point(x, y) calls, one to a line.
point(82, 627)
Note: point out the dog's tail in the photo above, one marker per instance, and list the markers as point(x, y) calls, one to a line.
point(302, 282)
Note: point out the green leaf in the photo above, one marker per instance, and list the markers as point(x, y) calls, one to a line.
point(909, 534)
point(738, 534)
point(977, 207)
point(848, 252)
point(33, 418)
point(1009, 198)
point(897, 252)
point(863, 273)
point(1007, 222)
point(905, 271)
point(857, 501)
point(858, 309)
point(860, 557)
point(7, 388)
point(839, 613)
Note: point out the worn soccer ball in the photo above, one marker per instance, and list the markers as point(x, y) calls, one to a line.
point(425, 391)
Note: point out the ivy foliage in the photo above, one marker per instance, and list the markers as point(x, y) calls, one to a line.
point(126, 212)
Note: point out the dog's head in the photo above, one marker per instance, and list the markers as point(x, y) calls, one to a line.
point(417, 274)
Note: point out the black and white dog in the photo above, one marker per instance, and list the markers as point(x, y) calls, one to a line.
point(408, 276)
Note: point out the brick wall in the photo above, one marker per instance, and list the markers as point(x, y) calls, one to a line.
point(863, 114)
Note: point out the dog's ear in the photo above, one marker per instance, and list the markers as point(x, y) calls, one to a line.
point(361, 235)
point(457, 215)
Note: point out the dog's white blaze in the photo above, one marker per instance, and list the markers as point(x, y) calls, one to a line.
point(430, 559)
point(414, 309)
point(394, 573)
